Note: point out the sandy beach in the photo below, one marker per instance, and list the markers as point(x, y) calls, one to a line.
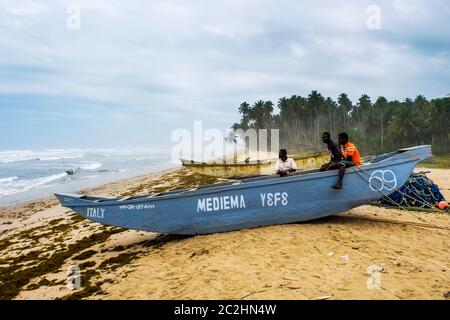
point(330, 258)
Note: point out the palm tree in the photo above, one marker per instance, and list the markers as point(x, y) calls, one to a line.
point(268, 109)
point(437, 121)
point(380, 106)
point(331, 110)
point(421, 106)
point(244, 110)
point(404, 128)
point(383, 126)
point(315, 108)
point(344, 108)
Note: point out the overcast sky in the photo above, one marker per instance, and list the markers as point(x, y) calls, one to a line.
point(136, 70)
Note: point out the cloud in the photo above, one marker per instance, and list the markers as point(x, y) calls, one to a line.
point(171, 62)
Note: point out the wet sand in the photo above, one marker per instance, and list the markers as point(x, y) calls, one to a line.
point(330, 258)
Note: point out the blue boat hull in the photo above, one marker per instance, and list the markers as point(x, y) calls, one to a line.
point(253, 202)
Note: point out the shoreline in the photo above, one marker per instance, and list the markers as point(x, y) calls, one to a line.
point(328, 257)
point(99, 187)
point(76, 185)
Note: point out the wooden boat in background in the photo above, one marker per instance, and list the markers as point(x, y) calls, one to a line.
point(253, 202)
point(249, 168)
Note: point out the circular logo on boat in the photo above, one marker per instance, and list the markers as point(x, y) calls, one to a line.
point(383, 179)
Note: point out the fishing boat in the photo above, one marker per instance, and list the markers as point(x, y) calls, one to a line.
point(252, 168)
point(253, 202)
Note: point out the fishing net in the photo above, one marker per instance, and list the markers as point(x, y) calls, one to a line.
point(418, 191)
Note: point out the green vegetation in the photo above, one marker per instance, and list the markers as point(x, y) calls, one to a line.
point(181, 179)
point(44, 282)
point(14, 277)
point(5, 244)
point(89, 289)
point(85, 255)
point(439, 162)
point(376, 127)
point(121, 260)
point(87, 264)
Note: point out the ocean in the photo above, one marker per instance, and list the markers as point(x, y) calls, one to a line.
point(31, 174)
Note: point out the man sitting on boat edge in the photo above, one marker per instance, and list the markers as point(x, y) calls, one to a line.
point(285, 165)
point(351, 157)
point(335, 151)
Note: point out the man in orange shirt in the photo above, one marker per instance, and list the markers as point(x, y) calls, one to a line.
point(351, 157)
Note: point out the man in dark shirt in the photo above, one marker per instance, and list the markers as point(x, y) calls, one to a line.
point(334, 149)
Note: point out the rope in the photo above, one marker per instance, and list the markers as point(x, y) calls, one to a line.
point(418, 184)
point(408, 223)
point(401, 208)
point(399, 191)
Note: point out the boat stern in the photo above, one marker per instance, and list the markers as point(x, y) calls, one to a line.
point(69, 200)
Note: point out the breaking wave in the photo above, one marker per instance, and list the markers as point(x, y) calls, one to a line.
point(91, 166)
point(45, 155)
point(13, 185)
point(9, 179)
point(58, 154)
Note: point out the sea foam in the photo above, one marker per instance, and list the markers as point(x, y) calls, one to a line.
point(7, 180)
point(18, 185)
point(90, 166)
point(45, 155)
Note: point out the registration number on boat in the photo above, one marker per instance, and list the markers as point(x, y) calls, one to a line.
point(142, 206)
